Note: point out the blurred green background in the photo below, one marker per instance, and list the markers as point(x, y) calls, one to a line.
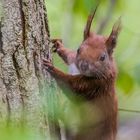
point(67, 20)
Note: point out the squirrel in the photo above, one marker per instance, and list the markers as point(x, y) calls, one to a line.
point(93, 83)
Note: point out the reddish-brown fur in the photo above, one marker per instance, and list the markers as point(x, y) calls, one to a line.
point(94, 85)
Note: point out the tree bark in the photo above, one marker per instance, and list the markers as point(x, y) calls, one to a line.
point(24, 41)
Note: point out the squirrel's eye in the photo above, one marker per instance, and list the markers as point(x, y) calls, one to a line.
point(102, 58)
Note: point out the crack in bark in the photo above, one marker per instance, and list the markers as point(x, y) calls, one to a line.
point(1, 42)
point(35, 64)
point(23, 22)
point(16, 66)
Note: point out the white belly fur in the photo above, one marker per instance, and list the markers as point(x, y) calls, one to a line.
point(73, 69)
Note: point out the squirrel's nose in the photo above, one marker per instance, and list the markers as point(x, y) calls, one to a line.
point(84, 66)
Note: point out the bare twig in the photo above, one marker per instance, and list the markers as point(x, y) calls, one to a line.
point(129, 110)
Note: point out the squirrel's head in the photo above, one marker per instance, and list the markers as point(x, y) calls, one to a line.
point(94, 56)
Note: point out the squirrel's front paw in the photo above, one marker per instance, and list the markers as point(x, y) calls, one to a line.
point(57, 44)
point(48, 65)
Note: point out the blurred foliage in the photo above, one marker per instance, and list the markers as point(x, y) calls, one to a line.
point(17, 133)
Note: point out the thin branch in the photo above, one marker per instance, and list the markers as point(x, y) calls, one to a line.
point(129, 110)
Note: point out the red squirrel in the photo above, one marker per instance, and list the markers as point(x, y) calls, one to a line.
point(93, 83)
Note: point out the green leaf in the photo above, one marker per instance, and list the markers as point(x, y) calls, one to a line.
point(125, 82)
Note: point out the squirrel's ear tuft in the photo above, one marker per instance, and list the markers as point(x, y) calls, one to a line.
point(112, 39)
point(88, 24)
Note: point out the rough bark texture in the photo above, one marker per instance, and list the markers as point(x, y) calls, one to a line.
point(24, 40)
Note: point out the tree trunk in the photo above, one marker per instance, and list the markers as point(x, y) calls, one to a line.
point(24, 41)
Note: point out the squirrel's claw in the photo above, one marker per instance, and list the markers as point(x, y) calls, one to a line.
point(47, 65)
point(57, 44)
